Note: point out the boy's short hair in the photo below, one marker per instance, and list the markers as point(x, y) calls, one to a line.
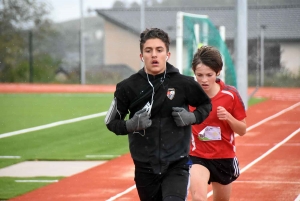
point(209, 56)
point(152, 34)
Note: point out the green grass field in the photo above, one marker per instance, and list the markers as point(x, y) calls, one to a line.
point(73, 141)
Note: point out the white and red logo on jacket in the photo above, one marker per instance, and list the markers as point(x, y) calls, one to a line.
point(171, 93)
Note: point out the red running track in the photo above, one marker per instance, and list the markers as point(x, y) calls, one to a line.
point(268, 156)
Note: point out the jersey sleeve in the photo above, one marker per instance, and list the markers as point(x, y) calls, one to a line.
point(239, 111)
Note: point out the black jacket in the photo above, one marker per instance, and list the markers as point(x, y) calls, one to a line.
point(164, 141)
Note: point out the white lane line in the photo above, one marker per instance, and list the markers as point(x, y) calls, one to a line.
point(58, 123)
point(265, 154)
point(297, 198)
point(270, 150)
point(270, 117)
point(10, 157)
point(37, 181)
point(101, 156)
point(248, 129)
point(120, 194)
point(273, 116)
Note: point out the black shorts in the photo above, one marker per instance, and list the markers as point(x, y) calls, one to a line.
point(173, 181)
point(223, 171)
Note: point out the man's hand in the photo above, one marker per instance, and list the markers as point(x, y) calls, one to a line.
point(183, 117)
point(140, 121)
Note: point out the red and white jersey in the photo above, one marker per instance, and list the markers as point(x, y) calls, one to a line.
point(214, 138)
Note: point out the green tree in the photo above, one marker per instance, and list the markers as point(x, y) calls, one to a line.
point(16, 19)
point(134, 5)
point(119, 4)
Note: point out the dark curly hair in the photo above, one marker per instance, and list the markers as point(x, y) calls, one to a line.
point(152, 34)
point(208, 56)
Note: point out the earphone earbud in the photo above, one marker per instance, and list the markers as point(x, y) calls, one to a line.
point(142, 59)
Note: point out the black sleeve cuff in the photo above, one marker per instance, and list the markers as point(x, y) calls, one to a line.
point(202, 112)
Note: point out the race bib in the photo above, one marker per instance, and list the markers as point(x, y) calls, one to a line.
point(210, 133)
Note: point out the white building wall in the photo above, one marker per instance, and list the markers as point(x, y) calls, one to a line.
point(172, 59)
point(121, 46)
point(290, 56)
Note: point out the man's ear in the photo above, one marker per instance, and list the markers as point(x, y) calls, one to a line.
point(168, 56)
point(141, 57)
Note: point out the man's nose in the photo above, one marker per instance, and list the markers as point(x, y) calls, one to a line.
point(154, 54)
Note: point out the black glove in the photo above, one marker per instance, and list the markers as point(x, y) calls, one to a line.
point(183, 117)
point(140, 121)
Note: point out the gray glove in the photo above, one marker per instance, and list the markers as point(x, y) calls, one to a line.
point(140, 121)
point(183, 117)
